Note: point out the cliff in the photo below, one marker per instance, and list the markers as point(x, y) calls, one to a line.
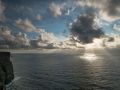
point(6, 69)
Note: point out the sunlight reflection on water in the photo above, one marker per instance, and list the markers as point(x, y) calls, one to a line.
point(89, 57)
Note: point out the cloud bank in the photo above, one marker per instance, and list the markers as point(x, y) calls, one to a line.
point(18, 40)
point(21, 40)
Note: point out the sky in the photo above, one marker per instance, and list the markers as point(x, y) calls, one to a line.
point(57, 16)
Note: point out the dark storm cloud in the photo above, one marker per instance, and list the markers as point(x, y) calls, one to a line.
point(83, 28)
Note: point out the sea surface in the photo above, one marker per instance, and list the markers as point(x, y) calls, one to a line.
point(94, 69)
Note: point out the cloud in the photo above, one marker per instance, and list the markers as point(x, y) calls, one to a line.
point(2, 9)
point(107, 9)
point(5, 33)
point(55, 9)
point(84, 28)
point(22, 40)
point(113, 8)
point(90, 3)
point(49, 40)
point(116, 27)
point(45, 36)
point(18, 40)
point(64, 8)
point(26, 25)
point(67, 13)
point(44, 40)
point(39, 17)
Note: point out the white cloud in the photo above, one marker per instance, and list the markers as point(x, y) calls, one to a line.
point(55, 9)
point(22, 40)
point(49, 40)
point(46, 36)
point(2, 9)
point(26, 25)
point(67, 13)
point(116, 27)
point(39, 17)
point(19, 39)
point(91, 3)
point(5, 33)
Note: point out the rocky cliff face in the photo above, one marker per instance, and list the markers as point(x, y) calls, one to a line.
point(6, 69)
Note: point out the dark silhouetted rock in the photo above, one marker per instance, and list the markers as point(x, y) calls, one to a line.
point(6, 69)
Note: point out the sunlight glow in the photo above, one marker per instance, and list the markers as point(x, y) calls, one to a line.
point(97, 43)
point(89, 57)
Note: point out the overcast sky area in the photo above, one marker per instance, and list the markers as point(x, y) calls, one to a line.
point(55, 17)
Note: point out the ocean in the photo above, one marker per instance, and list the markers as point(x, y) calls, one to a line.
point(94, 69)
